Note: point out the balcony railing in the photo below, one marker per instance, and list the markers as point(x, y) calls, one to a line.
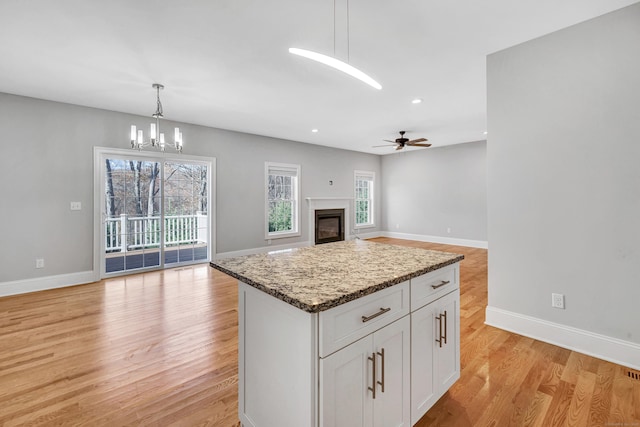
point(126, 233)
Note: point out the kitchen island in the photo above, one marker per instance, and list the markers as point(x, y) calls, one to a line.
point(345, 333)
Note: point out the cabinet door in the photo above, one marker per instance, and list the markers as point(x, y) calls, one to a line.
point(423, 384)
point(447, 355)
point(392, 345)
point(345, 377)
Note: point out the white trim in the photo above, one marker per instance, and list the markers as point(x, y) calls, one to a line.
point(44, 283)
point(261, 250)
point(296, 215)
point(371, 235)
point(483, 244)
point(614, 350)
point(316, 203)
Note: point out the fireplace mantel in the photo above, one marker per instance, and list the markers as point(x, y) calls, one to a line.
point(315, 203)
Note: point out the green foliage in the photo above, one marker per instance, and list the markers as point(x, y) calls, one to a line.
point(280, 203)
point(362, 212)
point(280, 218)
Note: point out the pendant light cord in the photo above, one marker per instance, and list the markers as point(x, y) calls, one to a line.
point(334, 32)
point(348, 38)
point(334, 28)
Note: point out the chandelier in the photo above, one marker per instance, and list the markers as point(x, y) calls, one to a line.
point(156, 138)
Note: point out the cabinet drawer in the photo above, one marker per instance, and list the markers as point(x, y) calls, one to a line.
point(433, 285)
point(346, 323)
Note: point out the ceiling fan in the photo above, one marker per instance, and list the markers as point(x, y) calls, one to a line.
point(402, 141)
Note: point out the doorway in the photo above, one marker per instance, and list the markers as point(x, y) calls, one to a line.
point(154, 211)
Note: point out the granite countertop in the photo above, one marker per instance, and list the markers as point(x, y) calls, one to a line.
point(317, 278)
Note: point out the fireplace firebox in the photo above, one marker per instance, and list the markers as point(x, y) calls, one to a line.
point(329, 225)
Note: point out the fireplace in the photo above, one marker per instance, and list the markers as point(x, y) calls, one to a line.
point(329, 225)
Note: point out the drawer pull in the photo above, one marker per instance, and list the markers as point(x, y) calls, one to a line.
point(444, 282)
point(373, 316)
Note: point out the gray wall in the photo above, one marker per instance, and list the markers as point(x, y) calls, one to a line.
point(47, 162)
point(428, 191)
point(564, 176)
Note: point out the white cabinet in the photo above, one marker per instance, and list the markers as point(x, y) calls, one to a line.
point(435, 352)
point(367, 383)
point(303, 369)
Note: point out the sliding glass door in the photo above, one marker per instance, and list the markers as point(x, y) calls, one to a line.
point(155, 211)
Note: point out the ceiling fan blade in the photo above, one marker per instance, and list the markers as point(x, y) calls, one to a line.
point(400, 147)
point(420, 145)
point(387, 140)
point(386, 145)
point(417, 140)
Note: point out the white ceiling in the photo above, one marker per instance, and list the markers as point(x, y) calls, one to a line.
point(225, 63)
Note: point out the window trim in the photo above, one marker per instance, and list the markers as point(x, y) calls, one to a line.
point(371, 176)
point(296, 191)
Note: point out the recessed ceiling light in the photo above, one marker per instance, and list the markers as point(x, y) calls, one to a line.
point(314, 130)
point(485, 133)
point(416, 100)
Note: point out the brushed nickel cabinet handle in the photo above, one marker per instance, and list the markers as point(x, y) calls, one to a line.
point(444, 282)
point(373, 360)
point(381, 354)
point(439, 330)
point(373, 316)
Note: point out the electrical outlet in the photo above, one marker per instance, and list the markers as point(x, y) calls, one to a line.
point(448, 230)
point(39, 262)
point(557, 300)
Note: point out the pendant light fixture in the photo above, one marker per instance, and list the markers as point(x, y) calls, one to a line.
point(333, 62)
point(156, 138)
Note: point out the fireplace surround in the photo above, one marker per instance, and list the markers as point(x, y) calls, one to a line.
point(325, 203)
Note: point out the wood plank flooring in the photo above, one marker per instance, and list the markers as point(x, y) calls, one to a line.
point(160, 349)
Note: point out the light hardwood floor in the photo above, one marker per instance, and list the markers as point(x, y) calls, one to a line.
point(160, 349)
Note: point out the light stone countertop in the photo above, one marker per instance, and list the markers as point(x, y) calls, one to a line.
point(317, 278)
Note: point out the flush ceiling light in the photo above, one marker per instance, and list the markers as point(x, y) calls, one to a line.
point(156, 138)
point(332, 62)
point(416, 101)
point(314, 130)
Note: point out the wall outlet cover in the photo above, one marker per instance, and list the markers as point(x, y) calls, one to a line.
point(557, 300)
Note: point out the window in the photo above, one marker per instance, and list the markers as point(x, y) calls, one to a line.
point(282, 200)
point(364, 198)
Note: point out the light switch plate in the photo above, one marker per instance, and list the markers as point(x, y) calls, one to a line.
point(76, 206)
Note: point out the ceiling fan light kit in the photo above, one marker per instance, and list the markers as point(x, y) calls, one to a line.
point(156, 138)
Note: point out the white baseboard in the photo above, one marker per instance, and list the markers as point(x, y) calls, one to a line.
point(261, 250)
point(438, 239)
point(370, 235)
point(614, 350)
point(43, 283)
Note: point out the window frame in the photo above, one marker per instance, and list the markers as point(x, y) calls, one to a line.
point(369, 176)
point(295, 219)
